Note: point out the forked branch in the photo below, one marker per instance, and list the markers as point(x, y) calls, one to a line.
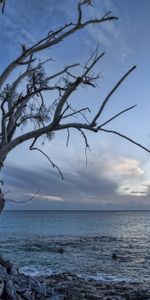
point(105, 101)
point(45, 99)
point(53, 38)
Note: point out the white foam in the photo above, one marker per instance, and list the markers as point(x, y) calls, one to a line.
point(100, 277)
point(109, 278)
point(35, 271)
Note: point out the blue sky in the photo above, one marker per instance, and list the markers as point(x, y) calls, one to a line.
point(117, 175)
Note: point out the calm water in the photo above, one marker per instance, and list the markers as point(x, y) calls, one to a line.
point(33, 239)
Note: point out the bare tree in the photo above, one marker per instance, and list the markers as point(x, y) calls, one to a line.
point(24, 99)
point(2, 2)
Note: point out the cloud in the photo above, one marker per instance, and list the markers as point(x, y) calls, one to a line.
point(28, 21)
point(127, 166)
point(128, 173)
point(115, 36)
point(25, 22)
point(100, 185)
point(138, 193)
point(82, 187)
point(45, 197)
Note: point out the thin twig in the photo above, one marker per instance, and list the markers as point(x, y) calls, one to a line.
point(125, 137)
point(117, 115)
point(87, 147)
point(51, 162)
point(68, 137)
point(26, 200)
point(110, 94)
point(76, 112)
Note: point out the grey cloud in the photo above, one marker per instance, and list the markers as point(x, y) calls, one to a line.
point(89, 183)
point(73, 189)
point(85, 189)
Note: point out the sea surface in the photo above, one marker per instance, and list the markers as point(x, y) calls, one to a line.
point(80, 242)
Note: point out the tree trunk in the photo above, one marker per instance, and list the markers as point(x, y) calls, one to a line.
point(2, 199)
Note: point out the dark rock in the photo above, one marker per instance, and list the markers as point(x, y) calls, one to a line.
point(6, 264)
point(64, 286)
point(3, 271)
point(13, 270)
point(1, 287)
point(60, 250)
point(114, 256)
point(28, 295)
point(11, 291)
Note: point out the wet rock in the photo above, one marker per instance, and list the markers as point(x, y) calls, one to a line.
point(114, 256)
point(3, 272)
point(64, 286)
point(60, 250)
point(13, 270)
point(1, 287)
point(6, 264)
point(69, 277)
point(10, 290)
point(28, 295)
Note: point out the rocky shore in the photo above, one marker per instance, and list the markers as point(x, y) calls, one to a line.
point(64, 286)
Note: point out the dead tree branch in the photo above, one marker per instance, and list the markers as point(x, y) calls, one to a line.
point(116, 116)
point(3, 2)
point(26, 200)
point(110, 94)
point(87, 147)
point(32, 147)
point(50, 40)
point(126, 138)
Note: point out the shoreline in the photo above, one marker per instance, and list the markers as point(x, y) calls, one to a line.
point(18, 286)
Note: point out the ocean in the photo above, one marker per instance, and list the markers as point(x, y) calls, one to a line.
point(79, 242)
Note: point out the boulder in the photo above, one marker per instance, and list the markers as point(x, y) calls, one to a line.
point(114, 256)
point(60, 250)
point(11, 290)
point(6, 264)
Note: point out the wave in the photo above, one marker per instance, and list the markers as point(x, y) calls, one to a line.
point(105, 278)
point(34, 271)
point(40, 246)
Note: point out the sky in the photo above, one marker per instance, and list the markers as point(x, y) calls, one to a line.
point(117, 173)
